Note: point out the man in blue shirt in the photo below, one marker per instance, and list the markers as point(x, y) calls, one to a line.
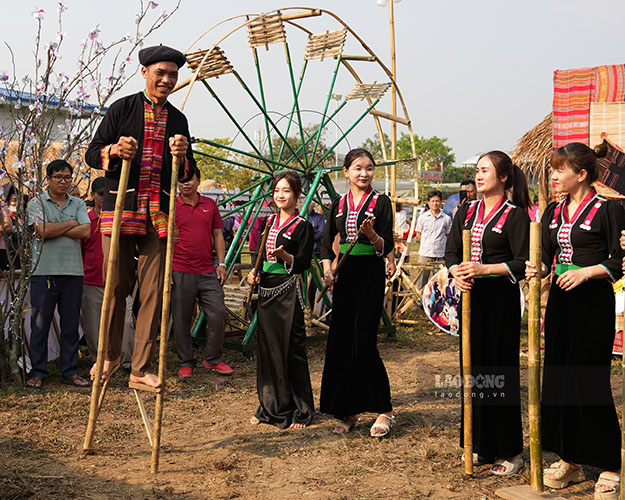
point(60, 222)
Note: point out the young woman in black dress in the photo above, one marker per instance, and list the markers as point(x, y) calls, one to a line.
point(282, 377)
point(499, 248)
point(354, 377)
point(579, 421)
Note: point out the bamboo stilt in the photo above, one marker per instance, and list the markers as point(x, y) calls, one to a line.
point(467, 385)
point(144, 417)
point(162, 353)
point(111, 265)
point(533, 336)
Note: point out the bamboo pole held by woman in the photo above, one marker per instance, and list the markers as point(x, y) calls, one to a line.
point(162, 353)
point(467, 385)
point(533, 337)
point(111, 265)
point(259, 260)
point(342, 261)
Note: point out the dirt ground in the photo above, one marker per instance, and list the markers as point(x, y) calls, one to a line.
point(210, 451)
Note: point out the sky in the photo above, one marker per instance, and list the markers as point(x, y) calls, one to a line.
point(479, 73)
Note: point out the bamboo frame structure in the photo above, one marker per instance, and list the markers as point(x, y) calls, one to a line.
point(467, 386)
point(97, 389)
point(533, 337)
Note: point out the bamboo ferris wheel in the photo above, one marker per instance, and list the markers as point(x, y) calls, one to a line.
point(278, 118)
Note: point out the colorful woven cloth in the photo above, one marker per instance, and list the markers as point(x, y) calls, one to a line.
point(572, 91)
point(613, 167)
point(609, 83)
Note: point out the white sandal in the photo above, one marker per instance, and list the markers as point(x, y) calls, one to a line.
point(346, 425)
point(385, 427)
point(512, 466)
point(608, 479)
point(564, 474)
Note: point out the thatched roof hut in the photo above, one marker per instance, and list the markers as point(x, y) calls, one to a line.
point(533, 154)
point(533, 151)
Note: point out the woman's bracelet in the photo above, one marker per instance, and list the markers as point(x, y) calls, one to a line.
point(586, 273)
point(374, 243)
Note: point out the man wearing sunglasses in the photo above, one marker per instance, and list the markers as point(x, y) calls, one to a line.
point(60, 221)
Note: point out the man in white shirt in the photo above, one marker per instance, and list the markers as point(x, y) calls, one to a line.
point(432, 229)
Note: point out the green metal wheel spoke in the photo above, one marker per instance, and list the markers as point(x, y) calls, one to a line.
point(288, 126)
point(325, 109)
point(245, 236)
point(310, 193)
point(360, 118)
point(243, 191)
point(327, 182)
point(262, 97)
point(229, 160)
point(262, 110)
point(296, 101)
point(239, 233)
point(321, 126)
point(236, 123)
point(241, 152)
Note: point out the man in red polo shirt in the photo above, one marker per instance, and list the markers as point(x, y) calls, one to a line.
point(196, 278)
point(93, 284)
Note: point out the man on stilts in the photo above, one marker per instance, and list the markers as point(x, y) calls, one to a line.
point(146, 129)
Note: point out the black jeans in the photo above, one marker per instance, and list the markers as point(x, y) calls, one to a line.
point(46, 293)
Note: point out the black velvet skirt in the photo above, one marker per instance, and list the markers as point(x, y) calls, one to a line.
point(354, 377)
point(579, 421)
point(282, 376)
point(496, 389)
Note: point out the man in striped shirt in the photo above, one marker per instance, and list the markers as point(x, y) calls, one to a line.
point(148, 130)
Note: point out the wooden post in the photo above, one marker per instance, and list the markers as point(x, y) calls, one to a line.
point(162, 352)
point(467, 385)
point(111, 267)
point(533, 336)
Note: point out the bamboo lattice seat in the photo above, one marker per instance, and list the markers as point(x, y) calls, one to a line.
point(235, 296)
point(266, 29)
point(209, 63)
point(328, 44)
point(368, 91)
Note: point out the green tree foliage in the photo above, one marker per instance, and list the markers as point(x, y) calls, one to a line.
point(430, 150)
point(228, 175)
point(458, 174)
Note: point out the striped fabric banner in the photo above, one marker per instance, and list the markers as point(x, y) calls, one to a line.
point(609, 83)
point(572, 91)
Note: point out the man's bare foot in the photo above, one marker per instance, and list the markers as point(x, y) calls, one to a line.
point(254, 420)
point(108, 368)
point(147, 378)
point(296, 426)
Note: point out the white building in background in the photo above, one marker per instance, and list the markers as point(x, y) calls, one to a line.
point(12, 102)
